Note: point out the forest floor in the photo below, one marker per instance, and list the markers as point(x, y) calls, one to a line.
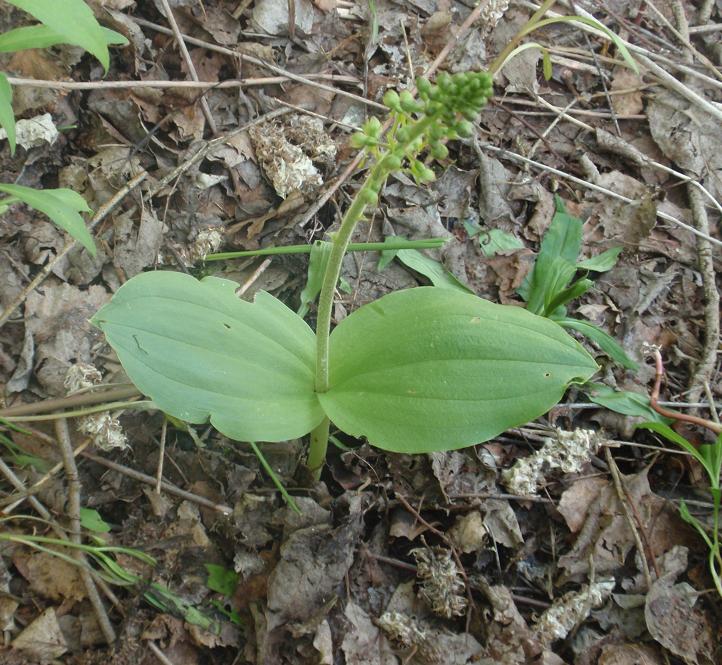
point(425, 559)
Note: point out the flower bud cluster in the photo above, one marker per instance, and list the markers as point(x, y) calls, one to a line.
point(444, 110)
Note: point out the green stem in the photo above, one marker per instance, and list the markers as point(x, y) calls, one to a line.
point(374, 183)
point(528, 27)
point(402, 243)
point(318, 447)
point(341, 240)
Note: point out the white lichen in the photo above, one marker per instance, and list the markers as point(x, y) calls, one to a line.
point(567, 452)
point(104, 428)
point(442, 586)
point(571, 609)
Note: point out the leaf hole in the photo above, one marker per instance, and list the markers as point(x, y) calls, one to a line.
point(547, 374)
point(225, 325)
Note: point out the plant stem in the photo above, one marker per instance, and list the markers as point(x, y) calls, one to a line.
point(374, 183)
point(318, 447)
point(401, 243)
point(369, 192)
point(516, 40)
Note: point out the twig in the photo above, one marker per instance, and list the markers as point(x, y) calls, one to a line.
point(164, 660)
point(705, 11)
point(623, 501)
point(674, 415)
point(261, 63)
point(161, 456)
point(149, 480)
point(14, 501)
point(643, 57)
point(73, 507)
point(99, 216)
point(708, 358)
point(254, 277)
point(161, 84)
point(684, 39)
point(84, 399)
point(189, 63)
point(597, 188)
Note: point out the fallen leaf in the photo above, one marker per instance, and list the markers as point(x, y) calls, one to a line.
point(42, 639)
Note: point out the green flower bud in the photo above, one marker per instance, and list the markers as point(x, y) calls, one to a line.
point(359, 140)
point(391, 99)
point(403, 134)
point(423, 85)
point(437, 131)
point(408, 103)
point(443, 80)
point(464, 129)
point(372, 127)
point(439, 151)
point(368, 196)
point(392, 162)
point(426, 175)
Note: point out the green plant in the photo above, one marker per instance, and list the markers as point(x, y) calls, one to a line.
point(554, 281)
point(418, 370)
point(710, 458)
point(73, 23)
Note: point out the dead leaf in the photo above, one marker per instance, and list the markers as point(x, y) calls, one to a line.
point(42, 639)
point(629, 654)
point(575, 501)
point(627, 99)
point(675, 622)
point(363, 643)
point(606, 535)
point(58, 319)
point(271, 16)
point(689, 137)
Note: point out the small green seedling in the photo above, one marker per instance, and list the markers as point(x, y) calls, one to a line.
point(555, 280)
point(66, 22)
point(419, 370)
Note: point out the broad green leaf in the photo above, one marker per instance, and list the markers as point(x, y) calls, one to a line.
point(606, 343)
point(317, 262)
point(41, 36)
point(601, 262)
point(73, 20)
point(550, 277)
point(494, 241)
point(431, 269)
point(561, 298)
point(61, 205)
point(91, 520)
point(622, 401)
point(7, 115)
point(200, 352)
point(431, 369)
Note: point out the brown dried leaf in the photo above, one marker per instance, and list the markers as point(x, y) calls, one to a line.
point(675, 622)
point(628, 102)
point(575, 501)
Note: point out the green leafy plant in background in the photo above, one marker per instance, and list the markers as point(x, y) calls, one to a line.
point(558, 277)
point(67, 22)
